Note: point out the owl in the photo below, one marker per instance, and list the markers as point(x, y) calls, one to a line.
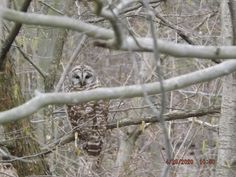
point(88, 119)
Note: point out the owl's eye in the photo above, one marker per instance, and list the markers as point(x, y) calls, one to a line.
point(88, 76)
point(77, 77)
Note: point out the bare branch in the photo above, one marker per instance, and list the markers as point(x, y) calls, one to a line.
point(54, 9)
point(175, 83)
point(169, 48)
point(114, 21)
point(174, 115)
point(69, 64)
point(160, 78)
point(40, 71)
point(56, 21)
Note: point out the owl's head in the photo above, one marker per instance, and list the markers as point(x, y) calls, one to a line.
point(82, 76)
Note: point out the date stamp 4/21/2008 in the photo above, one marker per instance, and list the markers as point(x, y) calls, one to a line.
point(190, 162)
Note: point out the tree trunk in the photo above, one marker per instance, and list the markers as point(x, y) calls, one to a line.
point(227, 130)
point(19, 133)
point(227, 126)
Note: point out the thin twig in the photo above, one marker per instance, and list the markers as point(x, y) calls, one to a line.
point(70, 63)
point(160, 77)
point(54, 9)
point(30, 61)
point(26, 57)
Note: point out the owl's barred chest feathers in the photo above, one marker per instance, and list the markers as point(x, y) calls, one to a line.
point(89, 119)
point(88, 114)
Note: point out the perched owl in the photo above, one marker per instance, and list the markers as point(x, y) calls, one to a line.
point(88, 119)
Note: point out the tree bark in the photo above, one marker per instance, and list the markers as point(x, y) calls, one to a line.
point(227, 131)
point(19, 133)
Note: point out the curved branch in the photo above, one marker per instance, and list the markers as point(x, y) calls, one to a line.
point(175, 83)
point(170, 48)
point(56, 21)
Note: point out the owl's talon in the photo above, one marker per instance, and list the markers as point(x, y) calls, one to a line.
point(78, 151)
point(76, 139)
point(142, 126)
point(117, 124)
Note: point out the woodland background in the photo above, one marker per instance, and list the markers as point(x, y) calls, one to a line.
point(201, 115)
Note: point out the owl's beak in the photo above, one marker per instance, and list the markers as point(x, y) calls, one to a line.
point(82, 83)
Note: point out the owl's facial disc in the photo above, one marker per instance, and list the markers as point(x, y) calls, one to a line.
point(82, 79)
point(82, 76)
point(88, 78)
point(76, 79)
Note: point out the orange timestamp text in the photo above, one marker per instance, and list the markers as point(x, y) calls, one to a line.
point(190, 161)
point(179, 162)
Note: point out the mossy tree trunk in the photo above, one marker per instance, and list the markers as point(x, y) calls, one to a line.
point(19, 133)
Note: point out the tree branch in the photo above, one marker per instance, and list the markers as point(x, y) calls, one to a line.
point(175, 83)
point(27, 58)
point(175, 115)
point(70, 63)
point(56, 21)
point(40, 71)
point(169, 48)
point(111, 16)
point(11, 37)
point(52, 8)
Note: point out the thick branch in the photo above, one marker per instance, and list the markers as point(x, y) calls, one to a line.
point(175, 83)
point(167, 117)
point(56, 21)
point(170, 48)
point(181, 50)
point(175, 115)
point(11, 37)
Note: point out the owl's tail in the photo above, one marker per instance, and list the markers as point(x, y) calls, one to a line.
point(94, 146)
